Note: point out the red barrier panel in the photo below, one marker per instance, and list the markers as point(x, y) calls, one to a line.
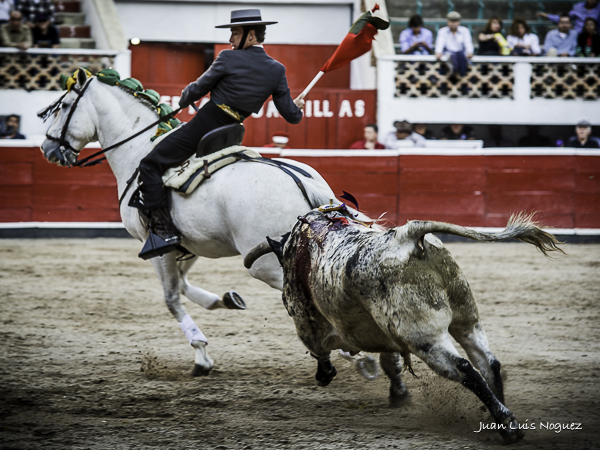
point(471, 190)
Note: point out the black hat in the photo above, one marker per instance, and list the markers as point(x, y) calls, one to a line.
point(403, 126)
point(42, 17)
point(244, 18)
point(584, 124)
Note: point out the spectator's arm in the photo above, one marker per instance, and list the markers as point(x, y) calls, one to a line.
point(440, 43)
point(572, 45)
point(404, 47)
point(553, 17)
point(428, 40)
point(468, 43)
point(535, 45)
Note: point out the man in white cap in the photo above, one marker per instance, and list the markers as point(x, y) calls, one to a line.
point(454, 38)
point(239, 82)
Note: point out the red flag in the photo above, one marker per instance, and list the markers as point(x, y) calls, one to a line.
point(358, 41)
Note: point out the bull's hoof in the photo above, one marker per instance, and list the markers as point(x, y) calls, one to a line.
point(400, 400)
point(232, 300)
point(323, 378)
point(199, 371)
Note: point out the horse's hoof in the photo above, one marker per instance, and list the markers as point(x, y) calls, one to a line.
point(199, 371)
point(232, 300)
point(368, 368)
point(399, 400)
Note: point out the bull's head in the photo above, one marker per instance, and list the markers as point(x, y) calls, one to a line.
point(73, 127)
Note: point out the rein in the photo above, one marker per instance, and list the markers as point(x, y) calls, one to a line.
point(89, 160)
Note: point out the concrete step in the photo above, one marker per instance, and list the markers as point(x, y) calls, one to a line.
point(67, 6)
point(69, 18)
point(77, 43)
point(74, 31)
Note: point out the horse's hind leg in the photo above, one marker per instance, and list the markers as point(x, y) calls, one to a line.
point(475, 343)
point(208, 300)
point(444, 359)
point(166, 269)
point(391, 363)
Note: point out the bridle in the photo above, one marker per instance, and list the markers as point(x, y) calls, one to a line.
point(67, 150)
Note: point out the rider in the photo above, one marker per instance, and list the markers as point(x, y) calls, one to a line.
point(239, 82)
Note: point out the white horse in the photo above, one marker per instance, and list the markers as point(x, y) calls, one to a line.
point(228, 215)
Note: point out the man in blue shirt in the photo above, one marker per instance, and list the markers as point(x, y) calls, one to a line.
point(416, 40)
point(563, 40)
point(578, 14)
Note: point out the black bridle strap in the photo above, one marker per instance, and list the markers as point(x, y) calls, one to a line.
point(84, 162)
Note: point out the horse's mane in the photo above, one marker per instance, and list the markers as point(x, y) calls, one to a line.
point(142, 100)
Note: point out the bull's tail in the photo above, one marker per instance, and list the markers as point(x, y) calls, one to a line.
point(521, 226)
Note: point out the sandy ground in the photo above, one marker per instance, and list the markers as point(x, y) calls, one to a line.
point(90, 358)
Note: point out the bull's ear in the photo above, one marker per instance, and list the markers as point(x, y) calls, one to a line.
point(81, 77)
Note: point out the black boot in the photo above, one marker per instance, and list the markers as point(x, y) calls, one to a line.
point(164, 236)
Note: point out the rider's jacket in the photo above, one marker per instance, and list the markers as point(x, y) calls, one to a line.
point(244, 80)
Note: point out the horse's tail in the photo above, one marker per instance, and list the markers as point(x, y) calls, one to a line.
point(520, 226)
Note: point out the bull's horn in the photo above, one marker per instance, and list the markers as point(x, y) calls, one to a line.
point(257, 251)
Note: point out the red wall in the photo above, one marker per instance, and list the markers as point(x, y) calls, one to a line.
point(467, 190)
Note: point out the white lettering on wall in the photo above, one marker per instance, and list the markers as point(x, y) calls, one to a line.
point(317, 108)
point(308, 108)
point(166, 99)
point(272, 110)
point(326, 111)
point(259, 114)
point(345, 109)
point(359, 108)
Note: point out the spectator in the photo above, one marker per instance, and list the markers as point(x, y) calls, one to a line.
point(533, 138)
point(455, 40)
point(45, 35)
point(370, 140)
point(491, 41)
point(496, 138)
point(6, 6)
point(522, 42)
point(416, 40)
point(15, 33)
point(33, 8)
point(421, 128)
point(279, 140)
point(404, 132)
point(578, 14)
point(561, 41)
point(457, 131)
point(583, 137)
point(588, 41)
point(11, 128)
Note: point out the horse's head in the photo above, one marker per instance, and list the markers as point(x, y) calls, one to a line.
point(73, 127)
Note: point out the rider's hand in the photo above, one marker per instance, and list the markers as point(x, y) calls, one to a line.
point(299, 101)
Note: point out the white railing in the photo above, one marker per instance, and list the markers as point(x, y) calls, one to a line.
point(496, 90)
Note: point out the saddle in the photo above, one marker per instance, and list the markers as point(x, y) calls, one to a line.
point(216, 150)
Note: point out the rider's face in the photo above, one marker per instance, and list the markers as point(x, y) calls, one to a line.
point(236, 37)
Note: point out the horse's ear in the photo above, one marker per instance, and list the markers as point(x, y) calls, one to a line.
point(81, 77)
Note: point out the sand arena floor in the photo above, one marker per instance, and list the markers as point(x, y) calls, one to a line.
point(90, 358)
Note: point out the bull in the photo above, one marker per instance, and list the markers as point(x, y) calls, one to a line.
point(395, 292)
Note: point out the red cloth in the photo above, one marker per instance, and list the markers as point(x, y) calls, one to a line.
point(360, 145)
point(353, 46)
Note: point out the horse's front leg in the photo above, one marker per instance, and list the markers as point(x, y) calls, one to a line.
point(168, 274)
point(206, 299)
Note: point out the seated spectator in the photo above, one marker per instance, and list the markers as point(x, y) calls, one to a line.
point(370, 140)
point(11, 128)
point(404, 132)
point(416, 40)
point(455, 40)
point(33, 8)
point(588, 41)
point(45, 35)
point(457, 131)
point(6, 6)
point(421, 128)
point(533, 138)
point(578, 14)
point(491, 41)
point(15, 33)
point(279, 139)
point(522, 42)
point(583, 137)
point(562, 41)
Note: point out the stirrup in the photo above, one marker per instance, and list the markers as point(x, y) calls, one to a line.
point(157, 246)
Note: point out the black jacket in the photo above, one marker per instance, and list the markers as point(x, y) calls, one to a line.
point(244, 80)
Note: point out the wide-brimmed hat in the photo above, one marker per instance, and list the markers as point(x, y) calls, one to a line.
point(245, 17)
point(403, 126)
